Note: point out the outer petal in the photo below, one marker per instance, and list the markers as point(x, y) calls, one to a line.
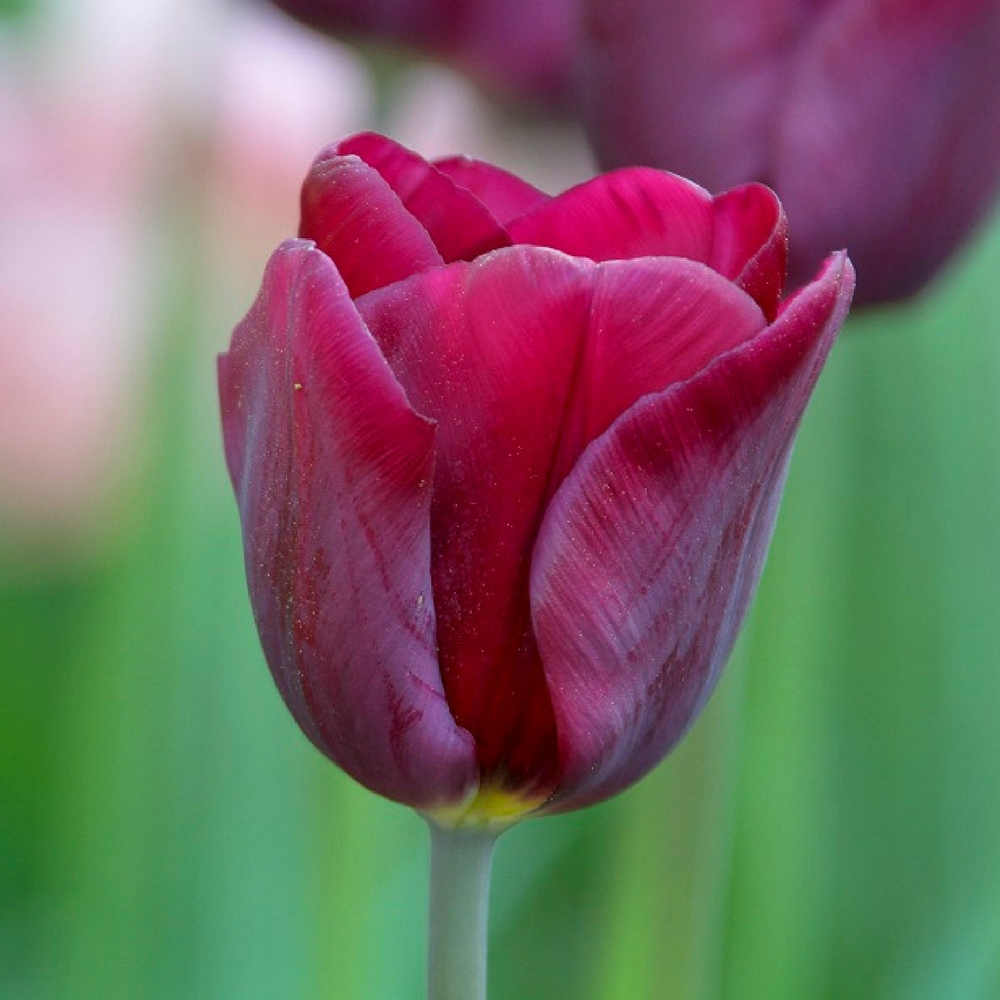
point(651, 550)
point(358, 221)
point(460, 225)
point(332, 471)
point(504, 194)
point(524, 357)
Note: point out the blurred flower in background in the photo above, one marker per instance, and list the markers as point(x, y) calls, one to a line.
point(75, 166)
point(262, 127)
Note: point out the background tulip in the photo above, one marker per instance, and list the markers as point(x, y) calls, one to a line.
point(508, 466)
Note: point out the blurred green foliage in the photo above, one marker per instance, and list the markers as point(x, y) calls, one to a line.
point(15, 9)
point(829, 830)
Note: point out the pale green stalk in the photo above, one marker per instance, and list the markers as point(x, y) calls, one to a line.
point(459, 912)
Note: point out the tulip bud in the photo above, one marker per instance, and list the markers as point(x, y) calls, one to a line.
point(508, 465)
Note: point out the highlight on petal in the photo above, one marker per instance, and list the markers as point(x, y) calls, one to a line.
point(505, 195)
point(358, 221)
point(333, 474)
point(652, 322)
point(635, 212)
point(460, 225)
point(651, 549)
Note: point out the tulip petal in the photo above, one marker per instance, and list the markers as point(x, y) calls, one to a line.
point(358, 221)
point(653, 322)
point(751, 243)
point(650, 551)
point(636, 212)
point(460, 225)
point(333, 472)
point(524, 357)
point(504, 194)
point(492, 364)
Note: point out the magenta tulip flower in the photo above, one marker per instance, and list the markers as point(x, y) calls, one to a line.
point(876, 121)
point(508, 464)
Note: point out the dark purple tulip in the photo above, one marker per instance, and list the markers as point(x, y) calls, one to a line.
point(508, 466)
point(876, 121)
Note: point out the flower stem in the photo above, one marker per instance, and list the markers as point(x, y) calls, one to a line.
point(459, 914)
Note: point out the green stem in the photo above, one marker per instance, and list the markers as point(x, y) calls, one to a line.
point(459, 915)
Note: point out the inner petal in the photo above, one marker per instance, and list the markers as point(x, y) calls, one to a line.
point(636, 212)
point(358, 221)
point(503, 193)
point(460, 225)
point(751, 243)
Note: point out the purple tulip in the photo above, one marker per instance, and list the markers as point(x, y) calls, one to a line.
point(876, 121)
point(508, 465)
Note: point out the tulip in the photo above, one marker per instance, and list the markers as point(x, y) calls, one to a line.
point(876, 121)
point(508, 465)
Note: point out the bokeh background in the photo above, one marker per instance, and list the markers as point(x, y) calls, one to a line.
point(830, 828)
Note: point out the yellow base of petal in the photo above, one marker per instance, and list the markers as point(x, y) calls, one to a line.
point(488, 808)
